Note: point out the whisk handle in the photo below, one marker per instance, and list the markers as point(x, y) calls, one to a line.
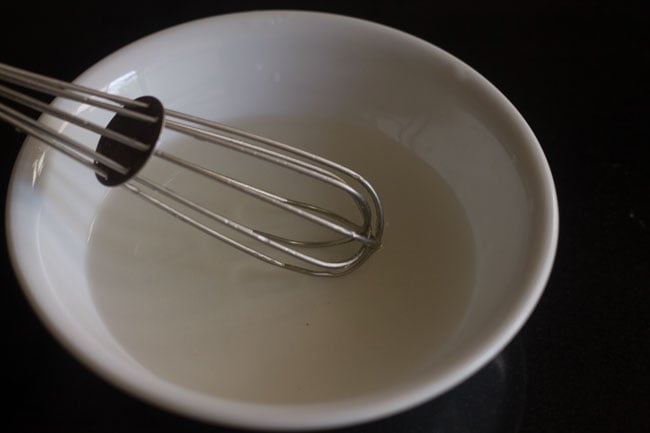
point(146, 132)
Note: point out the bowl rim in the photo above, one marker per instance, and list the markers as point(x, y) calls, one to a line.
point(314, 415)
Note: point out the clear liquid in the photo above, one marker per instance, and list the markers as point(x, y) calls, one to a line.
point(202, 315)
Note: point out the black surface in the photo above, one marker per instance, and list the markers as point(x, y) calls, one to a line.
point(577, 72)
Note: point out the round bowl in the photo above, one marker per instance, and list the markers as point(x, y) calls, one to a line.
point(305, 354)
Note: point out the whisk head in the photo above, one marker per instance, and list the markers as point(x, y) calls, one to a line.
point(329, 231)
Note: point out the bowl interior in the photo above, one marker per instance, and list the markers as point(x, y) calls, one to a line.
point(265, 71)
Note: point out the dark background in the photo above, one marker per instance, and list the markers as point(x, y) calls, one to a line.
point(577, 71)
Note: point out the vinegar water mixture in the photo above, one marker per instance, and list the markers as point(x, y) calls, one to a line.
point(204, 316)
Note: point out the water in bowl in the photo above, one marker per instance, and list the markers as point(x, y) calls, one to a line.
point(207, 317)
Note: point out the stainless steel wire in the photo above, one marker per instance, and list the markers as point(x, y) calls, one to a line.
point(128, 142)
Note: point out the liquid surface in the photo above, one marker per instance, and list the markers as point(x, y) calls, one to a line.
point(202, 315)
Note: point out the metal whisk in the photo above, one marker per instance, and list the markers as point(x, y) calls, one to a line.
point(128, 142)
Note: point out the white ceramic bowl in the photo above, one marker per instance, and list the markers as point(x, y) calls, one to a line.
point(305, 64)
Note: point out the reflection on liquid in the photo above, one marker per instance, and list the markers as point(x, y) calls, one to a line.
point(491, 401)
